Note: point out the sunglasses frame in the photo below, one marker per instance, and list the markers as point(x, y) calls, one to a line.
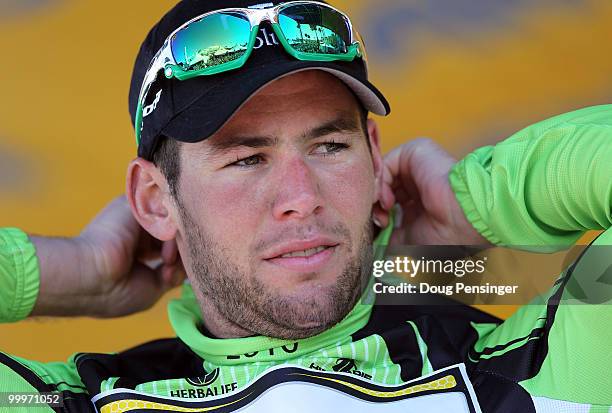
point(164, 58)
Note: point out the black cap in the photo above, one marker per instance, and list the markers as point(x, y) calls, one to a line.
point(192, 110)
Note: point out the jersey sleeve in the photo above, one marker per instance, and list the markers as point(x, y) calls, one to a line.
point(19, 285)
point(557, 348)
point(545, 185)
point(20, 375)
point(19, 275)
point(10, 382)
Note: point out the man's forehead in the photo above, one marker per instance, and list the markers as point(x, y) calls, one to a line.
point(332, 122)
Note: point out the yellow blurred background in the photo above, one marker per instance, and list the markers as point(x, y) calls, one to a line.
point(464, 72)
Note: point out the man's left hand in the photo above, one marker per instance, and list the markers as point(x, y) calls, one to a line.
point(416, 178)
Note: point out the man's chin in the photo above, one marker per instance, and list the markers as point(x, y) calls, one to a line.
point(309, 314)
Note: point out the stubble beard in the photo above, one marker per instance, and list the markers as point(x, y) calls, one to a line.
point(248, 303)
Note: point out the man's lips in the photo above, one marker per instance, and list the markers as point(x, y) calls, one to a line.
point(301, 249)
point(304, 256)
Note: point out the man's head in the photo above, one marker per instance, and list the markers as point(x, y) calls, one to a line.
point(272, 211)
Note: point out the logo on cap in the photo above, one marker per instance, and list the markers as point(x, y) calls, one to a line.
point(150, 108)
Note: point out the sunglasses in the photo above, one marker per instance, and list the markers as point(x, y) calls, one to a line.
point(223, 40)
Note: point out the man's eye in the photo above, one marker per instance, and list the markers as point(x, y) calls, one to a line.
point(330, 148)
point(250, 161)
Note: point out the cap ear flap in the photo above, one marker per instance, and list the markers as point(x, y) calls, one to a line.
point(141, 67)
point(156, 107)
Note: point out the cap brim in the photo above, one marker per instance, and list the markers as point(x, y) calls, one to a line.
point(197, 122)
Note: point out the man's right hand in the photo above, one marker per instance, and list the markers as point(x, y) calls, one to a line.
point(102, 272)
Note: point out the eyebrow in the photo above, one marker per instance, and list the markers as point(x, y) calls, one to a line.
point(342, 123)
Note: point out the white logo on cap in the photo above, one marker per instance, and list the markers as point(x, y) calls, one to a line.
point(150, 108)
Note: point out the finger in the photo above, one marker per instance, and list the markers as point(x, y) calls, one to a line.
point(399, 164)
point(148, 248)
point(387, 175)
point(402, 197)
point(387, 198)
point(169, 252)
point(180, 275)
point(167, 274)
point(411, 212)
point(393, 161)
point(414, 162)
point(380, 216)
point(172, 275)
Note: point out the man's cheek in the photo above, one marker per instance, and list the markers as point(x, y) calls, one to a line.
point(231, 206)
point(351, 189)
point(224, 193)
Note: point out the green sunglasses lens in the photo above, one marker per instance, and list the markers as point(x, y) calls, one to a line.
point(311, 28)
point(212, 41)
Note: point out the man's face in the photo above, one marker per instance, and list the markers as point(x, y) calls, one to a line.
point(274, 210)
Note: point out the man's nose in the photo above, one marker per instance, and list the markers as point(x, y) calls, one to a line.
point(297, 190)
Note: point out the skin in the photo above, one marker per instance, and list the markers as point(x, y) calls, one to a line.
point(103, 272)
point(416, 179)
point(312, 180)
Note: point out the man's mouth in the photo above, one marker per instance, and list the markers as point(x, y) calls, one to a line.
point(309, 256)
point(301, 249)
point(304, 253)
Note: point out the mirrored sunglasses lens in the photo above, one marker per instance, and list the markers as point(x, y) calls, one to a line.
point(216, 39)
point(312, 28)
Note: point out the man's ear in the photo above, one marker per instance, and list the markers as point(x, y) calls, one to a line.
point(377, 161)
point(150, 200)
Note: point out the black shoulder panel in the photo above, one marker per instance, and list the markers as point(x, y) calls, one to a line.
point(156, 360)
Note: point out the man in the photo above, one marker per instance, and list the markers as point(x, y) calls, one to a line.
point(264, 170)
